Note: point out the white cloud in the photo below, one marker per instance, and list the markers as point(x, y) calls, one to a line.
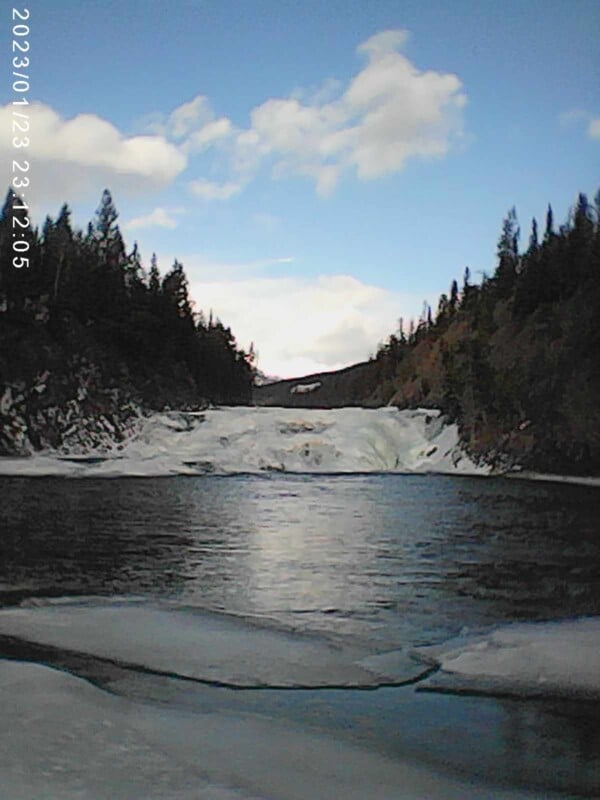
point(183, 120)
point(384, 43)
point(300, 325)
point(159, 218)
point(579, 117)
point(594, 128)
point(389, 113)
point(71, 157)
point(193, 125)
point(208, 135)
point(207, 190)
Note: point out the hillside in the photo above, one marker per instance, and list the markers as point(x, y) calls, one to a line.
point(346, 387)
point(515, 361)
point(91, 341)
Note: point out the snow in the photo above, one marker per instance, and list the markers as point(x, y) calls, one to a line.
point(205, 646)
point(580, 480)
point(253, 440)
point(305, 388)
point(64, 739)
point(538, 658)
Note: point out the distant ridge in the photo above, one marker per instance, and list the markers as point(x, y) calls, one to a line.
point(350, 386)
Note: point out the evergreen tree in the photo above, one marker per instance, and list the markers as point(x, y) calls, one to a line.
point(107, 234)
point(16, 283)
point(57, 248)
point(453, 302)
point(154, 279)
point(106, 217)
point(508, 255)
point(549, 224)
point(533, 238)
point(175, 288)
point(133, 267)
point(469, 292)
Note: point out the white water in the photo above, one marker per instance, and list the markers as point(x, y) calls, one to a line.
point(241, 439)
point(553, 658)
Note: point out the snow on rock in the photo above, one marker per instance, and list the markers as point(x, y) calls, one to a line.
point(209, 647)
point(537, 658)
point(6, 400)
point(305, 388)
point(73, 414)
point(64, 739)
point(242, 439)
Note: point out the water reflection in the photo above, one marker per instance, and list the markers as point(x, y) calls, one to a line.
point(397, 559)
point(405, 559)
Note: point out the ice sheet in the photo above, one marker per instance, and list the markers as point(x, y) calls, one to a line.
point(238, 440)
point(63, 739)
point(552, 658)
point(209, 647)
point(580, 480)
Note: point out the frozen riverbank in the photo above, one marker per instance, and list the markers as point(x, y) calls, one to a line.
point(63, 738)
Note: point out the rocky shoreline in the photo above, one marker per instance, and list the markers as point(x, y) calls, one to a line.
point(72, 413)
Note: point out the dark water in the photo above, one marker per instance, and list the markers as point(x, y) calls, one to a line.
point(398, 560)
point(407, 559)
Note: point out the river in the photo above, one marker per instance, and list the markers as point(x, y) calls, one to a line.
point(379, 562)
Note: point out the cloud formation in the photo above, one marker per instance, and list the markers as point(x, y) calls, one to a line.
point(159, 218)
point(389, 113)
point(579, 116)
point(208, 190)
point(593, 129)
point(75, 155)
point(300, 325)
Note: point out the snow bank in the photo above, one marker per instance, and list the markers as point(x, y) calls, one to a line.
point(63, 739)
point(550, 658)
point(206, 646)
point(549, 477)
point(238, 440)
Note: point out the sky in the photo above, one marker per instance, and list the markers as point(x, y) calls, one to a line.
point(320, 168)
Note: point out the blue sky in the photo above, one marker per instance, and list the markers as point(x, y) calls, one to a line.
point(320, 168)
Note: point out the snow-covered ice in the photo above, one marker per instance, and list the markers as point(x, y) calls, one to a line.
point(538, 658)
point(64, 739)
point(580, 480)
point(252, 440)
point(205, 646)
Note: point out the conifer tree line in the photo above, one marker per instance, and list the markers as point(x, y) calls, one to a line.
point(515, 360)
point(88, 281)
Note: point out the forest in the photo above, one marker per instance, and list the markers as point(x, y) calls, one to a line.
point(85, 320)
point(515, 360)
